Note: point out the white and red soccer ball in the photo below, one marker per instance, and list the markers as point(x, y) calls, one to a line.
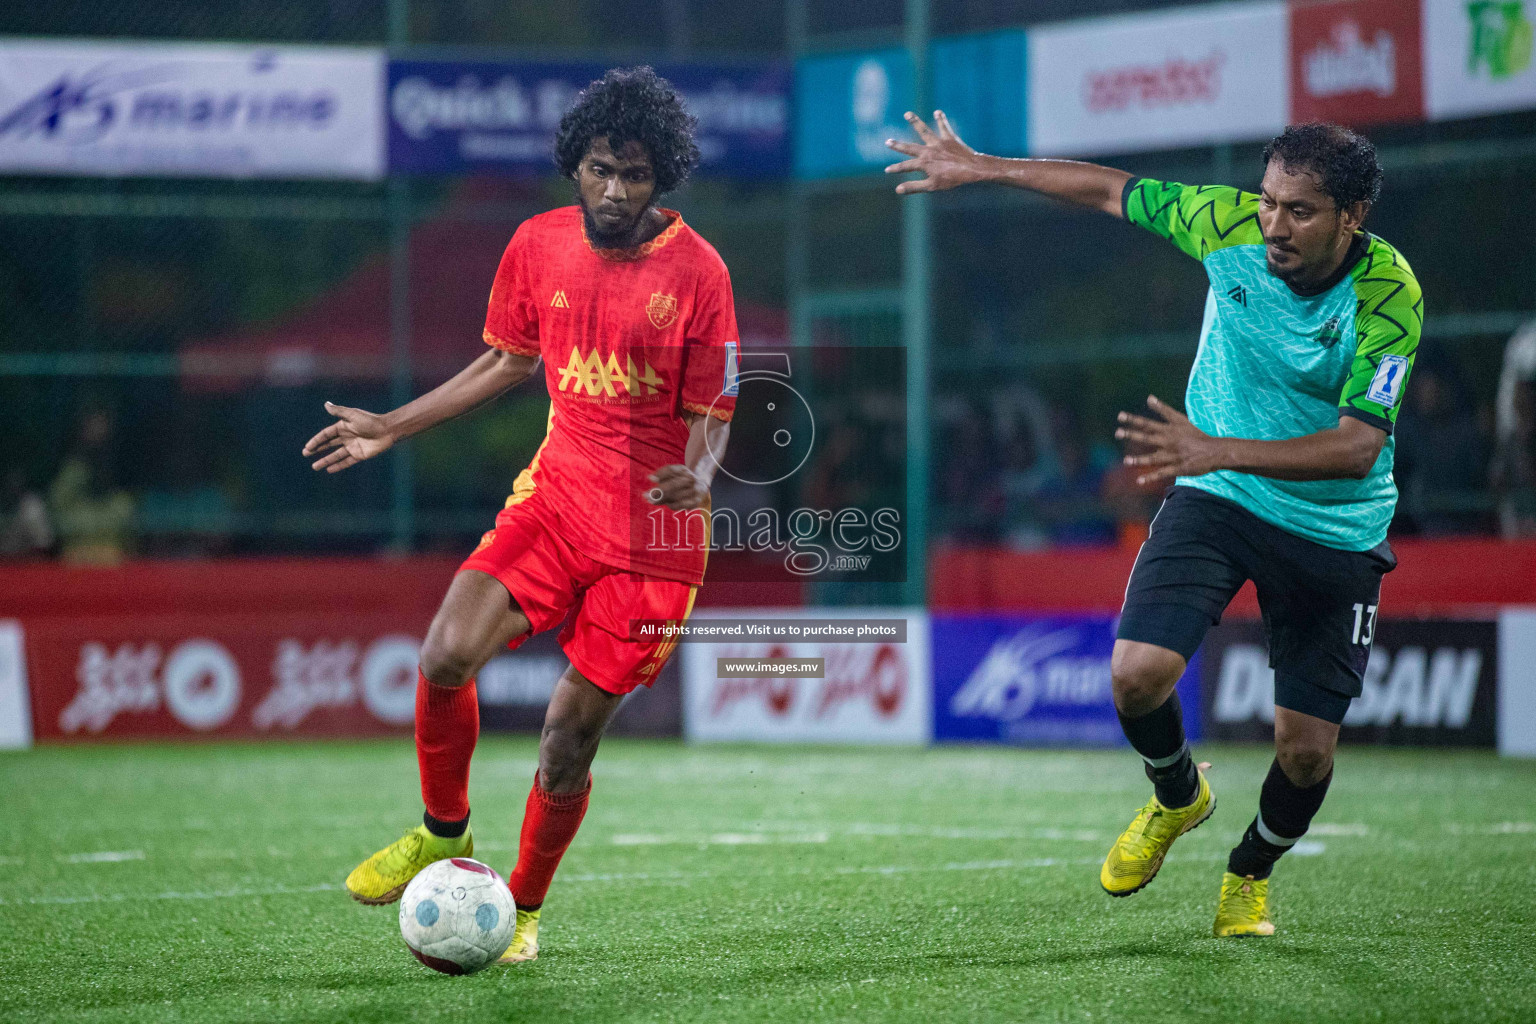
point(457, 916)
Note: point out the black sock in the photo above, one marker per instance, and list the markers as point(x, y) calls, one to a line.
point(444, 829)
point(1159, 739)
point(1285, 812)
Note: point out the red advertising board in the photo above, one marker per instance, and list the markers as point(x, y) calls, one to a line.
point(243, 649)
point(1448, 577)
point(253, 648)
point(1356, 62)
point(250, 675)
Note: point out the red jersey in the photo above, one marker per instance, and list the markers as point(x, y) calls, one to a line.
point(630, 339)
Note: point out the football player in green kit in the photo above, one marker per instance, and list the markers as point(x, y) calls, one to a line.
point(1281, 467)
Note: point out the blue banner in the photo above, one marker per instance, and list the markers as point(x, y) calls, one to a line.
point(1032, 681)
point(500, 117)
point(846, 106)
point(979, 83)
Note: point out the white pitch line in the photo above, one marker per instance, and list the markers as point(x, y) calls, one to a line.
point(717, 839)
point(124, 897)
point(1502, 828)
point(100, 857)
point(638, 876)
point(773, 834)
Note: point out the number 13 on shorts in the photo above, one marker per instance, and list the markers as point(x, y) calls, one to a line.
point(1365, 624)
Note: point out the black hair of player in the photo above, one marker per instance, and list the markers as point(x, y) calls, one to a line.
point(631, 105)
point(1344, 162)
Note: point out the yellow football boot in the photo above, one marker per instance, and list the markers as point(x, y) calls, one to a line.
point(1244, 907)
point(525, 941)
point(1138, 854)
point(383, 877)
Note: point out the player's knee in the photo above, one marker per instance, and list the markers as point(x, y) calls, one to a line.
point(445, 662)
point(565, 757)
point(1304, 760)
point(1141, 677)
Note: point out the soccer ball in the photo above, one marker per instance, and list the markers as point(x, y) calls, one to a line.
point(457, 916)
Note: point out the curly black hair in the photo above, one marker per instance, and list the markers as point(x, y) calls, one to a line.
point(1344, 162)
point(631, 105)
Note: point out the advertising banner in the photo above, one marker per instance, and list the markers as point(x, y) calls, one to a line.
point(860, 692)
point(979, 82)
point(248, 675)
point(846, 106)
point(1192, 76)
point(110, 109)
point(1477, 56)
point(453, 117)
point(15, 708)
point(1517, 682)
point(1429, 682)
point(515, 687)
point(1357, 62)
point(1031, 680)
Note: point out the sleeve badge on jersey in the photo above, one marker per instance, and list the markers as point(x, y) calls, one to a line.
point(732, 370)
point(1387, 386)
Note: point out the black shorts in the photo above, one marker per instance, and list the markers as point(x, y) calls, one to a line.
point(1319, 603)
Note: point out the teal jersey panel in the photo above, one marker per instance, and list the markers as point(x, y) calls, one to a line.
point(1274, 365)
point(1271, 366)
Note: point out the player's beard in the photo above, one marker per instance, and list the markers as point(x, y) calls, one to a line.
point(614, 238)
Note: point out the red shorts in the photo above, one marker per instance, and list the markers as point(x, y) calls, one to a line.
point(549, 579)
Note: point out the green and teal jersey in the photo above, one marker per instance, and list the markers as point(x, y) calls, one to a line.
point(1273, 364)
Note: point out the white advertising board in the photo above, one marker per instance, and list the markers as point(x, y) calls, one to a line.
point(1478, 57)
point(15, 708)
point(878, 692)
point(112, 109)
point(1191, 76)
point(1517, 682)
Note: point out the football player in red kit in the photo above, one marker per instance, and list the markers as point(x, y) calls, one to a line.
point(631, 313)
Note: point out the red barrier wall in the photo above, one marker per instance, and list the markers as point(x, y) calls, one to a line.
point(247, 647)
point(1433, 577)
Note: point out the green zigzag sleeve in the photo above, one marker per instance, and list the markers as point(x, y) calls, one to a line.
point(1389, 317)
point(1198, 219)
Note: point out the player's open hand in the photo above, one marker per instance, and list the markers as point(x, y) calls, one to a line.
point(677, 487)
point(1178, 447)
point(356, 435)
point(941, 157)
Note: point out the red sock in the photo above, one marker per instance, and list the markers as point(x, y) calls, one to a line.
point(447, 725)
point(550, 822)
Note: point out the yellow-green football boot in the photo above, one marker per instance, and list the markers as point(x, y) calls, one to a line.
point(1244, 907)
point(1138, 854)
point(383, 877)
point(525, 940)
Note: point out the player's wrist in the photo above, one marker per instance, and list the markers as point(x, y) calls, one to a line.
point(393, 423)
point(984, 168)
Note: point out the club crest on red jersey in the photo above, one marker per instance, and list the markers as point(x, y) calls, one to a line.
point(662, 309)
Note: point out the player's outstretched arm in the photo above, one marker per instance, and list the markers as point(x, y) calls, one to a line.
point(358, 434)
point(686, 485)
point(947, 162)
point(1179, 448)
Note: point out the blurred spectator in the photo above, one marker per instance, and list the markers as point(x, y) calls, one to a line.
point(24, 527)
point(1022, 426)
point(94, 516)
point(1069, 500)
point(965, 467)
point(1514, 464)
point(1442, 458)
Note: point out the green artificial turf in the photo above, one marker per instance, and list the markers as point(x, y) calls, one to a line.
point(202, 883)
